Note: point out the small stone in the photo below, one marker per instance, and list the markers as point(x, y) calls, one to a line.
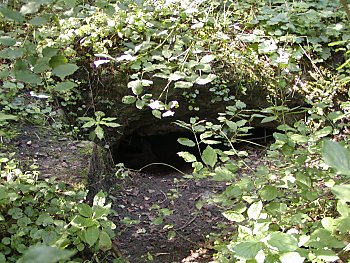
point(29, 143)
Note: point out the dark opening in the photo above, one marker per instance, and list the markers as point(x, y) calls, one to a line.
point(137, 151)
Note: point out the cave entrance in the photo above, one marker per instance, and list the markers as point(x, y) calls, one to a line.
point(137, 151)
point(159, 152)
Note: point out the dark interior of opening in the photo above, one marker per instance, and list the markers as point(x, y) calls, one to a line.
point(137, 151)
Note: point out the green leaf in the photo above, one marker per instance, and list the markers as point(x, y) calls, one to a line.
point(186, 142)
point(100, 211)
point(298, 138)
point(268, 193)
point(254, 210)
point(12, 53)
point(45, 254)
point(27, 76)
point(50, 52)
point(328, 223)
point(129, 99)
point(233, 216)
point(85, 210)
point(157, 114)
point(13, 15)
point(91, 122)
point(209, 156)
point(38, 21)
point(140, 104)
point(283, 242)
point(336, 156)
point(269, 119)
point(207, 59)
point(30, 8)
point(326, 255)
point(91, 235)
point(183, 84)
point(323, 132)
point(343, 209)
point(247, 250)
point(65, 70)
point(65, 85)
point(99, 199)
point(205, 79)
point(41, 65)
point(291, 257)
point(99, 132)
point(55, 60)
point(342, 192)
point(105, 242)
point(136, 86)
point(7, 41)
point(189, 158)
point(176, 76)
point(112, 124)
point(5, 117)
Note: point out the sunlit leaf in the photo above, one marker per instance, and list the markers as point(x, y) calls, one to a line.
point(209, 156)
point(183, 84)
point(187, 157)
point(129, 99)
point(233, 216)
point(247, 250)
point(5, 117)
point(291, 257)
point(136, 86)
point(30, 7)
point(342, 192)
point(176, 76)
point(186, 142)
point(99, 132)
point(254, 210)
point(205, 79)
point(283, 242)
point(298, 138)
point(336, 156)
point(207, 59)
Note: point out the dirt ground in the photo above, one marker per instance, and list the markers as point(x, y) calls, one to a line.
point(145, 241)
point(159, 214)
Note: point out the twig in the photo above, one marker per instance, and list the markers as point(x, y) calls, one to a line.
point(187, 224)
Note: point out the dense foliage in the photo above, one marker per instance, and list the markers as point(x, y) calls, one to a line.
point(292, 209)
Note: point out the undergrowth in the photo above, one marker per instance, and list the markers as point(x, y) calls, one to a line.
point(294, 209)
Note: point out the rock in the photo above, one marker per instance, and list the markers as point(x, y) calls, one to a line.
point(82, 164)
